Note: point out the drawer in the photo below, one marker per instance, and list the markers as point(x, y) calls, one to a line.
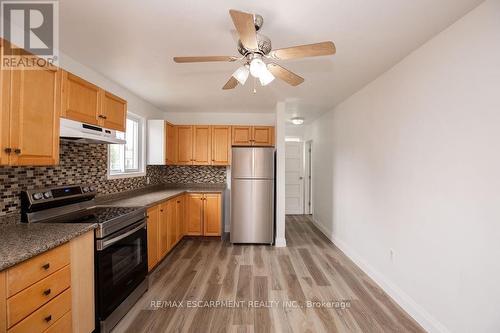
point(54, 316)
point(63, 325)
point(31, 271)
point(27, 301)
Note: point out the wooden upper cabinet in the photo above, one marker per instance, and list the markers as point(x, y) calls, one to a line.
point(212, 215)
point(170, 144)
point(4, 111)
point(201, 145)
point(194, 214)
point(34, 116)
point(113, 113)
point(221, 145)
point(242, 136)
point(253, 136)
point(81, 100)
point(153, 236)
point(263, 136)
point(184, 145)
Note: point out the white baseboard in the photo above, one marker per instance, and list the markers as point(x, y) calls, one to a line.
point(425, 319)
point(280, 242)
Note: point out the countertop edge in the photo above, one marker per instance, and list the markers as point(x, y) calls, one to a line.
point(46, 247)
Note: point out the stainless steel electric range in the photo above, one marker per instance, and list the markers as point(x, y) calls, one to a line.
point(120, 244)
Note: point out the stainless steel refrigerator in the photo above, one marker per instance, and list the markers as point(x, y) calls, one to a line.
point(252, 195)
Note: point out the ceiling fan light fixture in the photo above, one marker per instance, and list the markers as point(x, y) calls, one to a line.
point(241, 74)
point(257, 67)
point(297, 120)
point(266, 77)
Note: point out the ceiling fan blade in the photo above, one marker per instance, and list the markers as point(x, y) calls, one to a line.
point(205, 59)
point(303, 51)
point(231, 84)
point(246, 28)
point(284, 74)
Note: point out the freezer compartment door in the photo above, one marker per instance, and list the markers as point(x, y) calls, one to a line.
point(252, 211)
point(242, 163)
point(263, 163)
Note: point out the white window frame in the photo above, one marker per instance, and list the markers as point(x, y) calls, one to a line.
point(142, 152)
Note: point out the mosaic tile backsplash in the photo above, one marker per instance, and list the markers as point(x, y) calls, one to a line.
point(83, 163)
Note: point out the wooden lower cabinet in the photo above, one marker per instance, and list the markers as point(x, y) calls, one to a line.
point(153, 236)
point(163, 231)
point(193, 214)
point(212, 215)
point(50, 298)
point(204, 214)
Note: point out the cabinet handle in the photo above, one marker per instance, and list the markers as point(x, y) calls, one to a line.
point(8, 150)
point(48, 318)
point(161, 210)
point(17, 151)
point(102, 117)
point(47, 292)
point(46, 266)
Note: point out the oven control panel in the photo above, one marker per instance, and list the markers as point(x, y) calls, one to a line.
point(56, 196)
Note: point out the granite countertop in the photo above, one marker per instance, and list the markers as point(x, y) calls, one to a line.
point(149, 197)
point(19, 242)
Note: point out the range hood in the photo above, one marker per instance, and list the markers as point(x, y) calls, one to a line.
point(79, 132)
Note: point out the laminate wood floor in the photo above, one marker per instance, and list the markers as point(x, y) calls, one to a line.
point(309, 286)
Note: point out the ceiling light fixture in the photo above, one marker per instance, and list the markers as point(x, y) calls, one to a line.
point(241, 74)
point(266, 77)
point(257, 67)
point(297, 120)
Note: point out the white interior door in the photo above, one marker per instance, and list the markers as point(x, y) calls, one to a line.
point(294, 180)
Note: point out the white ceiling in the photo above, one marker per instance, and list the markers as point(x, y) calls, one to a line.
point(132, 42)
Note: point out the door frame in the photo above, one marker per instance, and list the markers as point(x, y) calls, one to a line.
point(308, 197)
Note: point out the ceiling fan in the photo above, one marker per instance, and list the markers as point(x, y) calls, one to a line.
point(255, 48)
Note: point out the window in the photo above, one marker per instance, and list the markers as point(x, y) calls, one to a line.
point(128, 160)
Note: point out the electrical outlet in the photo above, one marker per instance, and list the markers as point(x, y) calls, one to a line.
point(391, 254)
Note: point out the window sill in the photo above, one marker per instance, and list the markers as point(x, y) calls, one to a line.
point(126, 175)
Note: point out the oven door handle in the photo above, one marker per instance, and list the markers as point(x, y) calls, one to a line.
point(103, 244)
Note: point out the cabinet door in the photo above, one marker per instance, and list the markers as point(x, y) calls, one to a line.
point(212, 215)
point(201, 145)
point(194, 212)
point(171, 222)
point(179, 218)
point(163, 231)
point(221, 145)
point(242, 136)
point(170, 144)
point(263, 136)
point(81, 100)
point(153, 236)
point(113, 113)
point(184, 145)
point(34, 116)
point(4, 111)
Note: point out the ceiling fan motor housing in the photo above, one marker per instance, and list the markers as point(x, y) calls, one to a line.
point(263, 42)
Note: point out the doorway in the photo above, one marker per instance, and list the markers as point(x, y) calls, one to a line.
point(294, 178)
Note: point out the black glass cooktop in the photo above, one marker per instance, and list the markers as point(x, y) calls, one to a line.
point(93, 215)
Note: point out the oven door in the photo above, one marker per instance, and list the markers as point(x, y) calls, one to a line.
point(121, 265)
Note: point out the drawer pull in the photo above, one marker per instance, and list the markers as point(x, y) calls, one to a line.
point(17, 151)
point(47, 292)
point(46, 266)
point(48, 318)
point(8, 150)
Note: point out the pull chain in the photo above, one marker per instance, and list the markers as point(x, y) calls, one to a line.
point(254, 85)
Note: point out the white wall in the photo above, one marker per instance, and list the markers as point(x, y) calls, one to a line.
point(412, 163)
point(135, 103)
point(220, 118)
